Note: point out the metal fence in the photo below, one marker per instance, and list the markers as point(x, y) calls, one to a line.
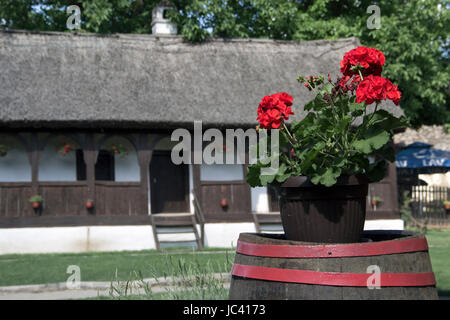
point(427, 204)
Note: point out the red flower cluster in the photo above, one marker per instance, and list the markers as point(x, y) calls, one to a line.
point(370, 59)
point(119, 149)
point(352, 85)
point(375, 88)
point(274, 109)
point(65, 148)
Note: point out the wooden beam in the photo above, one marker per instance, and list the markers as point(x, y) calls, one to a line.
point(144, 154)
point(34, 157)
point(90, 154)
point(76, 220)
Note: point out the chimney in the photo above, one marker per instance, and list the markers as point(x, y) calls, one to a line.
point(160, 23)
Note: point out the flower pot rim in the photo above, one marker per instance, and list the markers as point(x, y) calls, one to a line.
point(343, 180)
point(36, 204)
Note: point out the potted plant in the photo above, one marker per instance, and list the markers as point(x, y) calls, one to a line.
point(327, 159)
point(4, 149)
point(375, 201)
point(36, 201)
point(447, 205)
point(89, 204)
point(119, 149)
point(64, 148)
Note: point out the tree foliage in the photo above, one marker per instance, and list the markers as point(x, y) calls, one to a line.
point(414, 34)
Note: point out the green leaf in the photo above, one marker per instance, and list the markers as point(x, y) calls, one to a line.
point(328, 87)
point(253, 173)
point(387, 152)
point(387, 121)
point(316, 104)
point(319, 146)
point(377, 171)
point(339, 162)
point(327, 178)
point(344, 123)
point(372, 142)
point(355, 107)
point(266, 179)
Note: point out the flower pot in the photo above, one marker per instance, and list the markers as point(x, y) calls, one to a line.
point(223, 203)
point(447, 207)
point(89, 204)
point(315, 213)
point(35, 204)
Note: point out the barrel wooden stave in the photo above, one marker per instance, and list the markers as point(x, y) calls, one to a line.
point(408, 262)
point(251, 289)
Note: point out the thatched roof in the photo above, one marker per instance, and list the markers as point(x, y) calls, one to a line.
point(434, 135)
point(85, 80)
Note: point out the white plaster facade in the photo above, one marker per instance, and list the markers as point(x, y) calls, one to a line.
point(118, 238)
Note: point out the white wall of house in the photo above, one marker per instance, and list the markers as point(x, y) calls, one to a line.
point(108, 238)
point(56, 167)
point(384, 224)
point(221, 172)
point(118, 238)
point(127, 167)
point(75, 239)
point(15, 166)
point(260, 199)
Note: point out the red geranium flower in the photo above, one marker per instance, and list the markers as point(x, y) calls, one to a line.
point(375, 88)
point(274, 109)
point(353, 84)
point(370, 59)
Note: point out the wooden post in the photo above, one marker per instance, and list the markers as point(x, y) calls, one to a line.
point(34, 158)
point(90, 158)
point(144, 157)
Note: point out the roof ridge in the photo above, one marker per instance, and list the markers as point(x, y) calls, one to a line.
point(164, 36)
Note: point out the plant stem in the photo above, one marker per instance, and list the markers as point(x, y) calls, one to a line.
point(290, 135)
point(287, 137)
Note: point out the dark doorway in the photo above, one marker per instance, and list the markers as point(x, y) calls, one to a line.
point(169, 184)
point(104, 167)
point(81, 166)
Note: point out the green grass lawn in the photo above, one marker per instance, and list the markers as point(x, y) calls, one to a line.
point(51, 268)
point(439, 249)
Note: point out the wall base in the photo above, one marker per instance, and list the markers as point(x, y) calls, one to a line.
point(119, 238)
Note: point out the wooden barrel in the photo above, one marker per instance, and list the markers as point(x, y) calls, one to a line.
point(385, 265)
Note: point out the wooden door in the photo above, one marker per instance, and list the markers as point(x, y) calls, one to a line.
point(169, 184)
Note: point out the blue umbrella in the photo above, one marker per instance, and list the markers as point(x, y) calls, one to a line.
point(423, 158)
